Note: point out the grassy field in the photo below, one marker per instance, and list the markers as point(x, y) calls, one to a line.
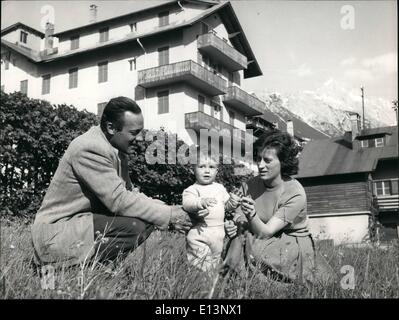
point(158, 270)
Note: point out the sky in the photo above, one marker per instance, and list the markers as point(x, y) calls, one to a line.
point(299, 45)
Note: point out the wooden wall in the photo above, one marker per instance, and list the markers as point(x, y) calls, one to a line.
point(328, 195)
point(386, 169)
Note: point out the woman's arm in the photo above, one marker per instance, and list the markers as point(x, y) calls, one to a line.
point(256, 225)
point(266, 230)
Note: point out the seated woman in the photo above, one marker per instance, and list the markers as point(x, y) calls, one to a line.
point(273, 231)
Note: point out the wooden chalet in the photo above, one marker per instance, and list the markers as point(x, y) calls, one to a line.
point(351, 183)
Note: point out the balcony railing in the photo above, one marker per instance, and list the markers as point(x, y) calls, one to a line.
point(199, 120)
point(258, 125)
point(388, 203)
point(244, 102)
point(220, 50)
point(386, 191)
point(187, 71)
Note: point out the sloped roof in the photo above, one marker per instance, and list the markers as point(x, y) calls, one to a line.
point(303, 130)
point(135, 36)
point(23, 26)
point(337, 156)
point(390, 150)
point(271, 117)
point(374, 132)
point(28, 53)
point(240, 42)
point(99, 23)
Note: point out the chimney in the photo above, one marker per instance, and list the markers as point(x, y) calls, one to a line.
point(290, 127)
point(355, 124)
point(93, 13)
point(48, 36)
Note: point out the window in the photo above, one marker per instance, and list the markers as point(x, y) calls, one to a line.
point(75, 42)
point(364, 143)
point(394, 186)
point(133, 27)
point(6, 64)
point(379, 142)
point(163, 18)
point(73, 78)
point(23, 37)
point(163, 56)
point(104, 34)
point(206, 62)
point(201, 103)
point(231, 79)
point(214, 67)
point(132, 64)
point(204, 28)
point(103, 72)
point(371, 143)
point(232, 117)
point(216, 111)
point(24, 87)
point(46, 84)
point(199, 58)
point(100, 109)
point(383, 188)
point(163, 102)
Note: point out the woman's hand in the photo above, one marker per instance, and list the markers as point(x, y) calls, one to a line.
point(248, 207)
point(234, 200)
point(231, 228)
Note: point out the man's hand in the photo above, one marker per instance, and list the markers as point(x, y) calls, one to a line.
point(179, 220)
point(231, 228)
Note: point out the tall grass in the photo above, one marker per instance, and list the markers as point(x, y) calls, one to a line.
point(158, 270)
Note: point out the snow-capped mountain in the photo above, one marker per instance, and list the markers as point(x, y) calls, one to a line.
point(328, 107)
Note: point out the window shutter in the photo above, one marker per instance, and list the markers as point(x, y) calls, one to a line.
point(163, 102)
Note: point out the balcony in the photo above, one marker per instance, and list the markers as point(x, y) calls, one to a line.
point(386, 193)
point(187, 71)
point(388, 203)
point(199, 120)
point(244, 102)
point(221, 51)
point(258, 125)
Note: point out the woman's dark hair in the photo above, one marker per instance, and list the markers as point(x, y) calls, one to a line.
point(115, 109)
point(286, 147)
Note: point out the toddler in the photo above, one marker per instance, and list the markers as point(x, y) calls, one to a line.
point(204, 241)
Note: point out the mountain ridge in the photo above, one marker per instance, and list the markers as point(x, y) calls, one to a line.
point(327, 108)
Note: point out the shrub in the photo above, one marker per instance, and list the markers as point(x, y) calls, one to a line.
point(34, 135)
point(167, 181)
